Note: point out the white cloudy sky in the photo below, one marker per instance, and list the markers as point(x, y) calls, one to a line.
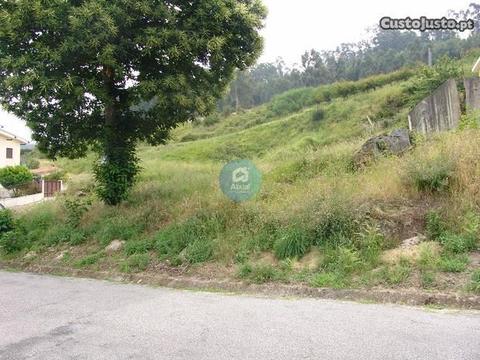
point(294, 26)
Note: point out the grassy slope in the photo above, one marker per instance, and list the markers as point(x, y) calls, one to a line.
point(311, 198)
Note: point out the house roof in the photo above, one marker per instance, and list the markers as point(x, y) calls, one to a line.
point(12, 136)
point(476, 67)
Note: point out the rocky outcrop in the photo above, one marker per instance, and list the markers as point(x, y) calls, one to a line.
point(394, 144)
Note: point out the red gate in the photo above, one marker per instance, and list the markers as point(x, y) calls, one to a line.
point(51, 187)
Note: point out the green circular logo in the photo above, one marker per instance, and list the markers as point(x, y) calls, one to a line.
point(240, 180)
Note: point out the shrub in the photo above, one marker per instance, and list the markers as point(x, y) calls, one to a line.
point(435, 226)
point(427, 279)
point(329, 279)
point(293, 242)
point(428, 258)
point(75, 208)
point(259, 273)
point(62, 234)
point(32, 163)
point(90, 259)
point(475, 282)
point(291, 101)
point(457, 244)
point(318, 115)
point(116, 228)
point(341, 260)
point(432, 175)
point(6, 221)
point(57, 175)
point(138, 247)
point(199, 251)
point(337, 226)
point(454, 263)
point(369, 243)
point(429, 78)
point(471, 226)
point(195, 236)
point(213, 119)
point(135, 263)
point(470, 121)
point(13, 177)
point(397, 274)
point(12, 242)
point(77, 238)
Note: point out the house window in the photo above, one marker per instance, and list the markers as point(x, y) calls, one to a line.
point(9, 153)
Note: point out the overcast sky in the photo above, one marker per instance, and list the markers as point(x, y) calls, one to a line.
point(294, 26)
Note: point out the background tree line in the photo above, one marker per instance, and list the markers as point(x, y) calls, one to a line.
point(386, 51)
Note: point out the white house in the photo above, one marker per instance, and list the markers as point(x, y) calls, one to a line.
point(10, 148)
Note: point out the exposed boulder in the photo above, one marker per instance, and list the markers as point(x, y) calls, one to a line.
point(30, 255)
point(114, 246)
point(394, 144)
point(61, 255)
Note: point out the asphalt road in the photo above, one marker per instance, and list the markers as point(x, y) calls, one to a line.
point(44, 317)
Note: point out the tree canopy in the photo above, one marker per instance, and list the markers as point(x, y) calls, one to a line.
point(105, 74)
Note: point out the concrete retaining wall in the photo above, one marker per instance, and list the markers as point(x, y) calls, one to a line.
point(472, 93)
point(438, 112)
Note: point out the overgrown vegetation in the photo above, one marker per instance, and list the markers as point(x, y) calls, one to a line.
point(317, 220)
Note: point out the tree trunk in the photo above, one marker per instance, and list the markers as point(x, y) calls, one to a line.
point(116, 171)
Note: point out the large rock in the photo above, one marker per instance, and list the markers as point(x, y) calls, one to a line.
point(114, 246)
point(396, 143)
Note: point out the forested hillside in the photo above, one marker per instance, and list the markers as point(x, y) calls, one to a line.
point(383, 52)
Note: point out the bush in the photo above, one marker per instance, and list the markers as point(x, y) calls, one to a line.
point(397, 274)
point(429, 78)
point(62, 234)
point(199, 251)
point(259, 273)
point(454, 263)
point(293, 243)
point(75, 208)
point(291, 101)
point(342, 260)
point(470, 120)
point(475, 282)
point(318, 115)
point(135, 263)
point(428, 259)
point(138, 247)
point(433, 175)
point(329, 279)
point(32, 163)
point(116, 228)
point(369, 243)
point(193, 238)
point(12, 242)
point(13, 177)
point(458, 244)
point(6, 221)
point(427, 279)
point(56, 176)
point(435, 226)
point(337, 226)
point(90, 259)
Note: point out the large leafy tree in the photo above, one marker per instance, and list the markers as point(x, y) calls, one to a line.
point(106, 74)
